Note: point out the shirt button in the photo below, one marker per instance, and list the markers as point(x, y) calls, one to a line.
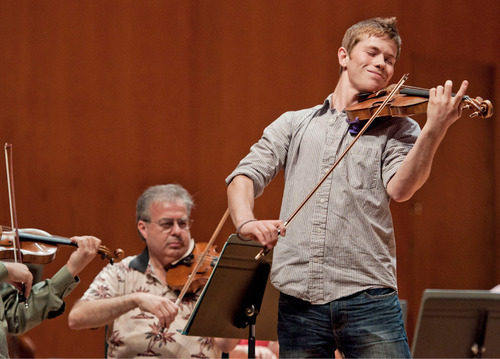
point(315, 260)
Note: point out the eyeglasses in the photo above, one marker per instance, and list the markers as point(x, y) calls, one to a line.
point(167, 224)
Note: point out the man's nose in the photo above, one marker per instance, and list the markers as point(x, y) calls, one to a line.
point(176, 228)
point(379, 61)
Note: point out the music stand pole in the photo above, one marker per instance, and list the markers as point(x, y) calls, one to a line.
point(251, 339)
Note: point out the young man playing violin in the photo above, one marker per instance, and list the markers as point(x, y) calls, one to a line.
point(133, 298)
point(336, 263)
point(44, 299)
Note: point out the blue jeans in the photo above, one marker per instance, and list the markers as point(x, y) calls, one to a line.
point(368, 324)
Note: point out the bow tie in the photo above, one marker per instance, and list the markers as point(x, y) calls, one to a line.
point(355, 125)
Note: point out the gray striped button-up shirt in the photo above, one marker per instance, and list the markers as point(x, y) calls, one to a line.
point(342, 241)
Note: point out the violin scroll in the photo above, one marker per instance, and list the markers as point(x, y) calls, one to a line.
point(114, 257)
point(483, 108)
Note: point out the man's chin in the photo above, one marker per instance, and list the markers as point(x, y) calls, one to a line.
point(374, 86)
point(375, 82)
point(175, 253)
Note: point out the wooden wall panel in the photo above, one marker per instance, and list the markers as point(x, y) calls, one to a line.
point(101, 99)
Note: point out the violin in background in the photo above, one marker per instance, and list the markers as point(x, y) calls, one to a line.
point(40, 247)
point(178, 275)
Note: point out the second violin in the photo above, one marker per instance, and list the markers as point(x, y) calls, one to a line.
point(178, 275)
point(39, 247)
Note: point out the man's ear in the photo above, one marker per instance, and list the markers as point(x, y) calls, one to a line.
point(343, 57)
point(141, 227)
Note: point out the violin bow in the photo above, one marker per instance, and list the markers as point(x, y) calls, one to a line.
point(393, 92)
point(202, 257)
point(13, 213)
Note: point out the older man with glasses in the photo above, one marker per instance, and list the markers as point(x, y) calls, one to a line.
point(133, 298)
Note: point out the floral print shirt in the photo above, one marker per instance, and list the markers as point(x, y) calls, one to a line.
point(137, 333)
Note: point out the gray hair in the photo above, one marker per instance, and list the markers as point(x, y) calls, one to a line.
point(166, 192)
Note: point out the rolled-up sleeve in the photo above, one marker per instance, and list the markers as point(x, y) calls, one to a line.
point(268, 156)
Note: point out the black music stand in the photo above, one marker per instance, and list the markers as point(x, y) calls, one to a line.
point(237, 292)
point(458, 324)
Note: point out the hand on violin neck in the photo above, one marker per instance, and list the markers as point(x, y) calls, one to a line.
point(88, 247)
point(20, 277)
point(444, 108)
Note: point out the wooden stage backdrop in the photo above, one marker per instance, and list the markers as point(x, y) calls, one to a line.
point(102, 99)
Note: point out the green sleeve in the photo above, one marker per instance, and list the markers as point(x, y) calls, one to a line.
point(4, 273)
point(44, 302)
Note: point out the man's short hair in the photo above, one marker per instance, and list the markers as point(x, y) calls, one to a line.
point(377, 26)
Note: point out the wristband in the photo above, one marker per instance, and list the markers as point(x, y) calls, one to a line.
point(239, 228)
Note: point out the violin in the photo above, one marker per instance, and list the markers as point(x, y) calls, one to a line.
point(408, 101)
point(178, 274)
point(39, 247)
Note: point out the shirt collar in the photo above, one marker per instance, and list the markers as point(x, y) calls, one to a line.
point(140, 262)
point(326, 105)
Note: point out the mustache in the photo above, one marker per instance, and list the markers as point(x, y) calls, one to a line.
point(174, 239)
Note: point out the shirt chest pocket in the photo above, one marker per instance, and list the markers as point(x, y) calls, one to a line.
point(362, 167)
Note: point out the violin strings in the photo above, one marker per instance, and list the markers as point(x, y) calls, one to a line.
point(465, 97)
point(414, 87)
